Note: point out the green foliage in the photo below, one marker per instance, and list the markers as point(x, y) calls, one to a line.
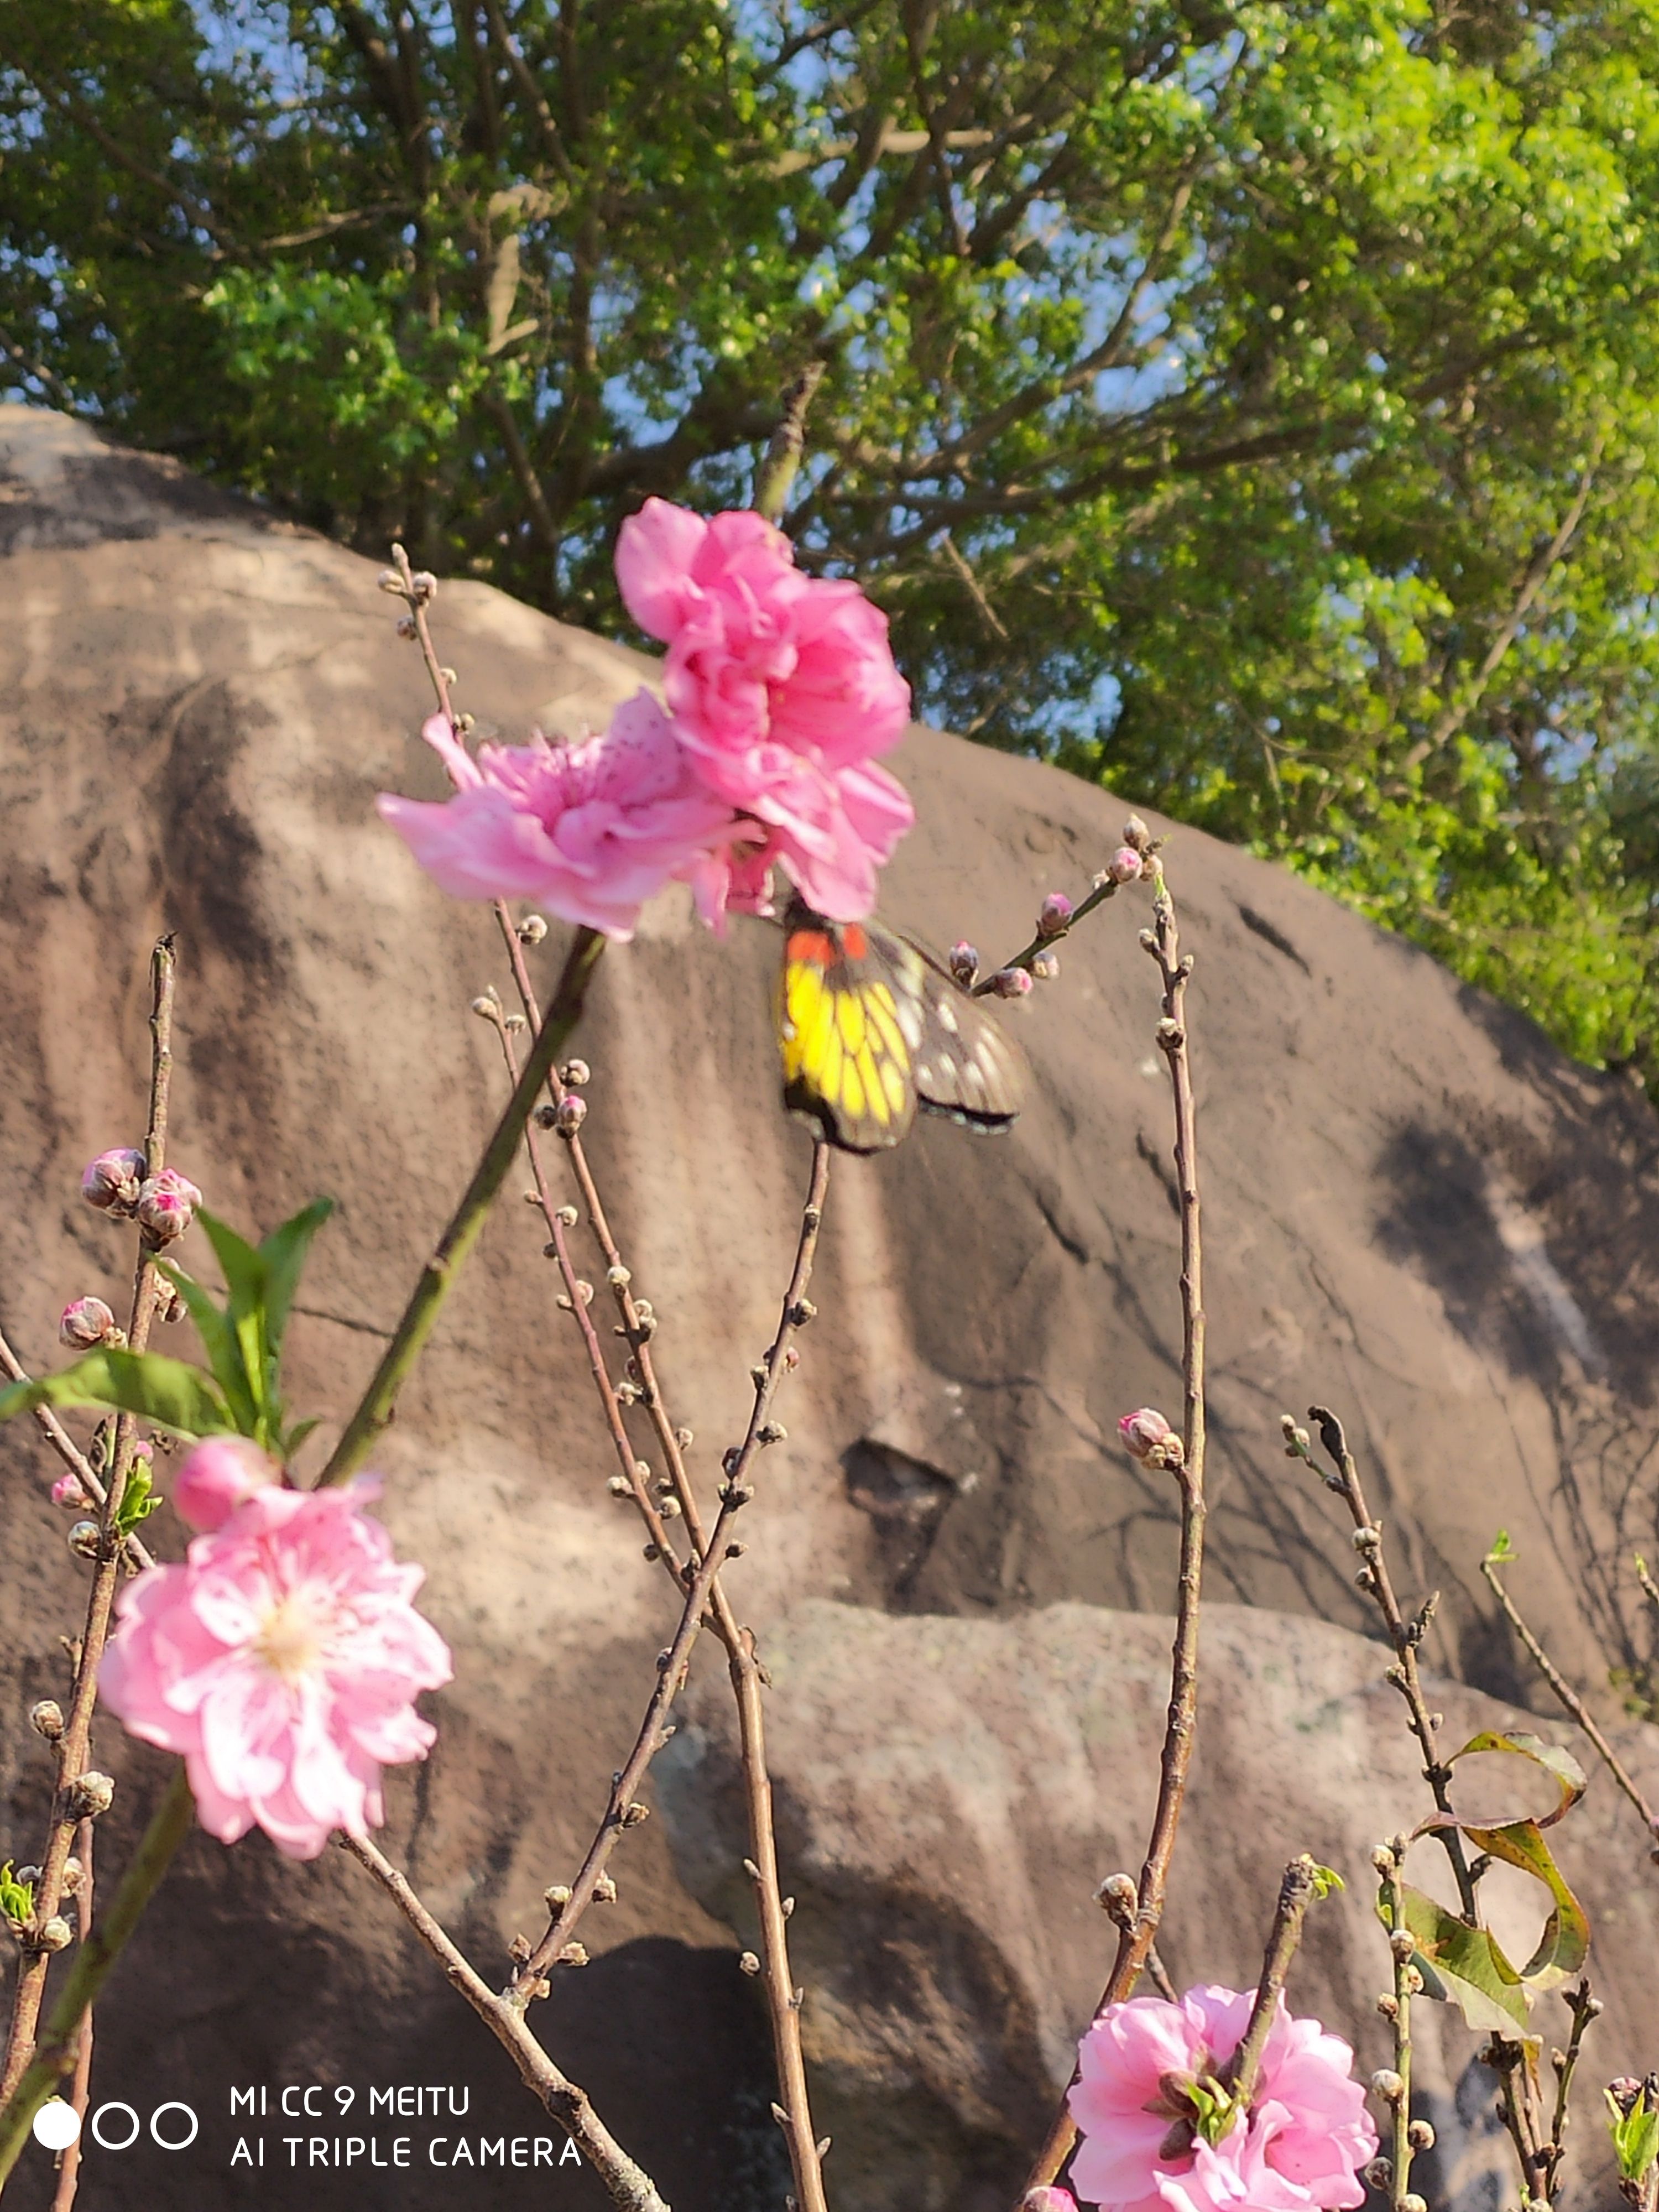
point(1635, 2135)
point(1249, 407)
point(16, 1901)
point(1467, 1966)
point(241, 1393)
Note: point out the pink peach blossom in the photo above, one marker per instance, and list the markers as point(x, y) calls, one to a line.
point(783, 688)
point(216, 1476)
point(589, 829)
point(1300, 2148)
point(85, 1322)
point(282, 1659)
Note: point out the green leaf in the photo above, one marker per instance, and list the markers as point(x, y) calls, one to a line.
point(16, 1898)
point(1565, 1942)
point(296, 1437)
point(1502, 1549)
point(247, 1281)
point(1635, 2135)
point(170, 1393)
point(1467, 1964)
point(1325, 1880)
point(220, 1342)
point(1567, 1774)
point(284, 1253)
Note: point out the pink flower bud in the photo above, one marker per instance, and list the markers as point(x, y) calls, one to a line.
point(1148, 1438)
point(112, 1182)
point(166, 1205)
point(1124, 865)
point(569, 1114)
point(67, 1491)
point(1136, 835)
point(964, 962)
point(1011, 983)
point(215, 1477)
point(1049, 2200)
point(85, 1322)
point(1055, 919)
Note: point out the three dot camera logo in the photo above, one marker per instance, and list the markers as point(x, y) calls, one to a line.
point(115, 2125)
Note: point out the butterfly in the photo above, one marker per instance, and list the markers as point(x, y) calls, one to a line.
point(870, 1027)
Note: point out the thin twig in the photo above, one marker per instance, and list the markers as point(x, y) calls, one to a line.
point(1375, 1583)
point(629, 2186)
point(69, 2171)
point(1135, 1941)
point(54, 2054)
point(67, 1450)
point(1585, 2008)
point(1570, 1700)
point(1297, 1892)
point(74, 1745)
point(1407, 1984)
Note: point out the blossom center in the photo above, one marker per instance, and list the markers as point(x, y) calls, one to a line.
point(294, 1634)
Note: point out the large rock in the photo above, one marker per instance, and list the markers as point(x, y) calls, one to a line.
point(952, 1791)
point(1415, 1209)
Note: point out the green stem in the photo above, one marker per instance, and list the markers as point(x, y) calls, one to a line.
point(54, 2054)
point(437, 1278)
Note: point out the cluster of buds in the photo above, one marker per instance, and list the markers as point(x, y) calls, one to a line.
point(86, 1323)
point(164, 1205)
point(1148, 1438)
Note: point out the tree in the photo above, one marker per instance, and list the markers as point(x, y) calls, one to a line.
point(1250, 406)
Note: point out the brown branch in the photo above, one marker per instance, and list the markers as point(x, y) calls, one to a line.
point(778, 471)
point(1136, 1940)
point(1397, 2007)
point(630, 2188)
point(1532, 582)
point(1571, 1701)
point(1297, 1892)
point(74, 1747)
point(1585, 2008)
point(68, 1450)
point(69, 2171)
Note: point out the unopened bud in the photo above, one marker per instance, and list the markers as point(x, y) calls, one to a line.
point(557, 1897)
point(83, 1540)
point(1380, 2172)
point(74, 1875)
point(54, 1935)
point(112, 1182)
point(604, 1890)
point(1403, 1944)
point(1421, 2135)
point(1009, 983)
point(91, 1794)
point(748, 1963)
point(575, 1074)
point(486, 1007)
point(70, 1490)
point(1049, 2199)
point(964, 962)
point(170, 1303)
point(1056, 917)
point(634, 1814)
point(1136, 835)
point(1045, 967)
point(618, 1276)
point(1124, 865)
point(423, 589)
point(569, 1115)
point(1388, 2085)
point(47, 1719)
point(85, 1322)
point(531, 929)
point(1624, 2091)
point(1148, 1438)
point(1411, 2202)
point(166, 1205)
point(390, 580)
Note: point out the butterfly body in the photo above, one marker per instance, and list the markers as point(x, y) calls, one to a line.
point(871, 1027)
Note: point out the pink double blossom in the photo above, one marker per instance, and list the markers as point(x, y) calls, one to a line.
point(282, 1658)
point(588, 830)
point(782, 686)
point(1300, 2148)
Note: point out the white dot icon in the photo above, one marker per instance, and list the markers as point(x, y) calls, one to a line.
point(57, 2124)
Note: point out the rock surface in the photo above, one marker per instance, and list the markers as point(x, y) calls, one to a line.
point(1416, 1211)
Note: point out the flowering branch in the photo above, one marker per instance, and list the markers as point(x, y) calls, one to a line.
point(631, 2189)
point(68, 1450)
point(54, 2053)
point(73, 1798)
point(437, 1278)
point(1184, 1456)
point(1567, 1696)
